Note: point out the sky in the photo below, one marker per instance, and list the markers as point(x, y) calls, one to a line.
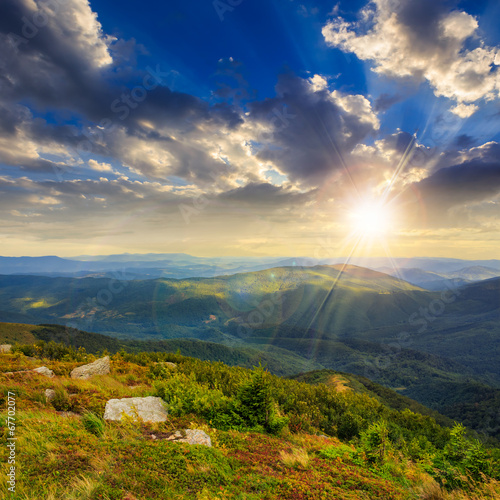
point(250, 127)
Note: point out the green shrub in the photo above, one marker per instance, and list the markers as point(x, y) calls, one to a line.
point(375, 442)
point(462, 461)
point(257, 406)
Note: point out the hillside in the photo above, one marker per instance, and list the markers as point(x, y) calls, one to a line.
point(352, 320)
point(441, 385)
point(167, 308)
point(278, 361)
point(271, 438)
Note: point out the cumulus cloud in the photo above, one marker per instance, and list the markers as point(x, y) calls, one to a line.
point(53, 53)
point(424, 41)
point(473, 177)
point(309, 129)
point(100, 167)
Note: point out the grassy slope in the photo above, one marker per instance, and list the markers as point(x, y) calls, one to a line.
point(278, 361)
point(61, 458)
point(439, 384)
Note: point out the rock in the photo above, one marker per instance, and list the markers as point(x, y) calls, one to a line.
point(149, 409)
point(50, 394)
point(5, 348)
point(191, 436)
point(67, 414)
point(43, 370)
point(98, 367)
point(170, 365)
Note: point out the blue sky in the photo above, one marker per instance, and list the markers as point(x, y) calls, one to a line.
point(273, 127)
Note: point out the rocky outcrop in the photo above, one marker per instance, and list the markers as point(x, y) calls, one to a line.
point(148, 409)
point(98, 367)
point(43, 370)
point(5, 348)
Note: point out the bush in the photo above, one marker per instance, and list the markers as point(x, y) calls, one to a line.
point(375, 442)
point(462, 461)
point(257, 406)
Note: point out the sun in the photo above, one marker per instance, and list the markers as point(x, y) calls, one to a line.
point(371, 219)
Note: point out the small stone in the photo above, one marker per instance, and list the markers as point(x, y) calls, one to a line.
point(148, 409)
point(98, 367)
point(5, 348)
point(43, 370)
point(50, 394)
point(67, 414)
point(191, 436)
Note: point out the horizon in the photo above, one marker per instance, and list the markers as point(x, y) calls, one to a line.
point(343, 259)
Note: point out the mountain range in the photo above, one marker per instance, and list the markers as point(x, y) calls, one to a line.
point(428, 273)
point(441, 348)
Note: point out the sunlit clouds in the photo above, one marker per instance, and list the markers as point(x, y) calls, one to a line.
point(106, 146)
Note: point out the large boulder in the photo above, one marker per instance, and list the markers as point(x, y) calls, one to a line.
point(5, 348)
point(98, 367)
point(149, 409)
point(43, 370)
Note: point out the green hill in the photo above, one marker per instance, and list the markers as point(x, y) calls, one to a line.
point(352, 320)
point(272, 438)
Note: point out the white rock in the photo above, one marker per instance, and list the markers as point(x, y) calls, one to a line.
point(148, 409)
point(98, 367)
point(5, 348)
point(191, 436)
point(43, 370)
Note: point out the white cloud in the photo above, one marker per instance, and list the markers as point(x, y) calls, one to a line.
point(432, 48)
point(100, 167)
point(74, 20)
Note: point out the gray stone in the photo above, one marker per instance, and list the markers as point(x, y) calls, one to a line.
point(148, 409)
point(98, 367)
point(5, 348)
point(50, 394)
point(191, 436)
point(43, 370)
point(67, 414)
point(170, 365)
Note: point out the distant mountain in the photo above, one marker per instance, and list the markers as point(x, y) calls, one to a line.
point(181, 266)
point(475, 273)
point(423, 279)
point(442, 280)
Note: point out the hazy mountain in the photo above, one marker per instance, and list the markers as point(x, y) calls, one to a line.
point(475, 273)
point(181, 266)
point(440, 281)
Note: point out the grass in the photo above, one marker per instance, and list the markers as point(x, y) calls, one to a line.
point(80, 456)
